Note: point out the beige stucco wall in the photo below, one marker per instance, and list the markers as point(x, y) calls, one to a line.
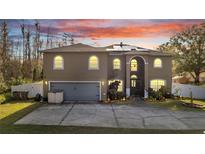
point(117, 74)
point(164, 73)
point(76, 69)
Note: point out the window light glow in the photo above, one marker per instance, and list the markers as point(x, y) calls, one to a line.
point(156, 84)
point(157, 63)
point(133, 65)
point(93, 63)
point(116, 64)
point(58, 62)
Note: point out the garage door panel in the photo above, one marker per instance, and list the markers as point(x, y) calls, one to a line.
point(77, 91)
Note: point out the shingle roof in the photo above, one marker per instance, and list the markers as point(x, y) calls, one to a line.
point(79, 47)
point(126, 49)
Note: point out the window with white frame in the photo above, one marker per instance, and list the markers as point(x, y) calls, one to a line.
point(93, 63)
point(157, 63)
point(157, 84)
point(58, 63)
point(116, 64)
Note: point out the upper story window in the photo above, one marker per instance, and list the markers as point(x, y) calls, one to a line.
point(93, 63)
point(157, 84)
point(116, 64)
point(157, 63)
point(133, 65)
point(58, 63)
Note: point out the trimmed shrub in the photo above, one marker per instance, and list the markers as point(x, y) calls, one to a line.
point(119, 95)
point(6, 97)
point(165, 92)
point(112, 94)
point(157, 95)
point(112, 91)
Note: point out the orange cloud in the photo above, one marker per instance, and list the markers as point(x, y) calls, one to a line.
point(81, 22)
point(128, 31)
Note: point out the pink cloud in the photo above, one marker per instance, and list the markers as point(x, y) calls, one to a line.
point(127, 31)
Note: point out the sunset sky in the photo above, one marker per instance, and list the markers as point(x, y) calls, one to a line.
point(144, 33)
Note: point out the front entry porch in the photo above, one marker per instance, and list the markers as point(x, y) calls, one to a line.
point(137, 77)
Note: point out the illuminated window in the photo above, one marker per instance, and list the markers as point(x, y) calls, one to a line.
point(58, 63)
point(133, 76)
point(133, 80)
point(116, 64)
point(120, 87)
point(133, 65)
point(157, 63)
point(156, 84)
point(93, 63)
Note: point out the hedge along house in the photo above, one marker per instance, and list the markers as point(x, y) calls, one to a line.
point(84, 72)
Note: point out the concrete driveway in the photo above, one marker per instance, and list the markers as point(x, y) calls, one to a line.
point(126, 116)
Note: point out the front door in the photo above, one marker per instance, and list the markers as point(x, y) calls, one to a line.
point(137, 77)
point(136, 87)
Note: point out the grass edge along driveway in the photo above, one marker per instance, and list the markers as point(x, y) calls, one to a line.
point(176, 105)
point(13, 111)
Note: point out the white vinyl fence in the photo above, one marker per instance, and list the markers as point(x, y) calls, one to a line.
point(32, 88)
point(184, 90)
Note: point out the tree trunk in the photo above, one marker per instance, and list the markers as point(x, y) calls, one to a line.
point(197, 74)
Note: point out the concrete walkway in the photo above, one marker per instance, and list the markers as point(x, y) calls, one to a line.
point(124, 116)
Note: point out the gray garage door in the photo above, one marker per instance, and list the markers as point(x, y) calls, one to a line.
point(77, 91)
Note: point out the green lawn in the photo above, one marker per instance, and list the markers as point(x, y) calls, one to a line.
point(176, 105)
point(11, 112)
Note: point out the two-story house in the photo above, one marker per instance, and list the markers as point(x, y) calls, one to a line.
point(84, 72)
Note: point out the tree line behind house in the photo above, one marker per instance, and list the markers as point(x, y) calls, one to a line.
point(21, 57)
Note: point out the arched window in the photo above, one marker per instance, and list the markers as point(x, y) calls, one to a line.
point(133, 65)
point(58, 63)
point(133, 77)
point(156, 84)
point(157, 63)
point(93, 63)
point(116, 64)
